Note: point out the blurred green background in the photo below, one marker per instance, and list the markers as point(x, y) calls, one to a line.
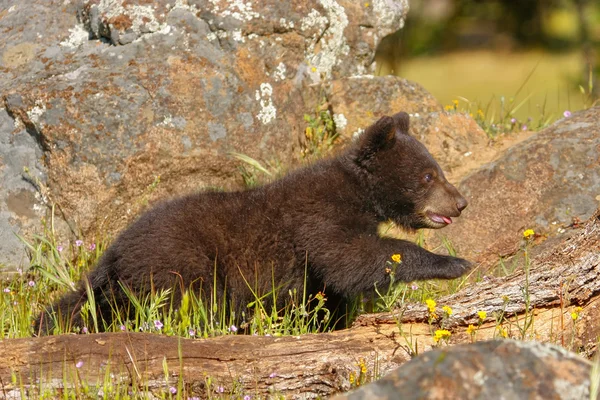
point(542, 56)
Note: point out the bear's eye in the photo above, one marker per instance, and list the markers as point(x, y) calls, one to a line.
point(428, 178)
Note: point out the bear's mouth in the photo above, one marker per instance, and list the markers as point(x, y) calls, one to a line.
point(439, 219)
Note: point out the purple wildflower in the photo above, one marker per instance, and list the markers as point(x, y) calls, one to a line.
point(79, 364)
point(524, 127)
point(78, 243)
point(567, 114)
point(59, 248)
point(85, 329)
point(513, 120)
point(31, 283)
point(158, 325)
point(233, 328)
point(221, 389)
point(6, 290)
point(414, 286)
point(192, 332)
point(272, 375)
point(123, 328)
point(173, 390)
point(247, 397)
point(92, 247)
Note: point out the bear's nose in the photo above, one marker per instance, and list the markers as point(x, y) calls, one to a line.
point(461, 203)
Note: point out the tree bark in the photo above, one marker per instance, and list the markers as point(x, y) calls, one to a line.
point(559, 280)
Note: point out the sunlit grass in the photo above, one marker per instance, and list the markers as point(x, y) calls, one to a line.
point(485, 77)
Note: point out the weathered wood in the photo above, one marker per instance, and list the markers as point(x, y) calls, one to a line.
point(320, 364)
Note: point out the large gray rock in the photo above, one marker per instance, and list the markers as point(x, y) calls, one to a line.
point(486, 370)
point(21, 171)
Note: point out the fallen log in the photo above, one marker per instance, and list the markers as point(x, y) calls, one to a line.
point(545, 309)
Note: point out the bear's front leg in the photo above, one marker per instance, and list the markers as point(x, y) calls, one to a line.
point(356, 265)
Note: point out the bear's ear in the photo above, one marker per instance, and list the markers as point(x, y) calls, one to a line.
point(402, 121)
point(379, 136)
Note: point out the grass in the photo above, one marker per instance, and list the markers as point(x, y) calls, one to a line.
point(533, 89)
point(552, 88)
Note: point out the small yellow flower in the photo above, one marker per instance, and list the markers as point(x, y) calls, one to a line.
point(441, 334)
point(575, 313)
point(471, 329)
point(397, 258)
point(351, 378)
point(503, 332)
point(480, 113)
point(574, 316)
point(482, 315)
point(314, 69)
point(455, 102)
point(448, 108)
point(367, 5)
point(431, 305)
point(447, 310)
point(363, 367)
point(528, 233)
point(309, 132)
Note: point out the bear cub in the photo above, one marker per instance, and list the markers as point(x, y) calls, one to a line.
point(317, 226)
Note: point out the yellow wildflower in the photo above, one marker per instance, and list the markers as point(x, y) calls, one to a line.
point(574, 316)
point(314, 69)
point(528, 233)
point(441, 334)
point(455, 102)
point(448, 108)
point(363, 367)
point(575, 313)
point(503, 332)
point(367, 5)
point(431, 305)
point(351, 378)
point(480, 113)
point(471, 329)
point(397, 258)
point(482, 315)
point(447, 310)
point(309, 132)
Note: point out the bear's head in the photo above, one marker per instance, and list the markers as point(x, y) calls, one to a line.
point(404, 182)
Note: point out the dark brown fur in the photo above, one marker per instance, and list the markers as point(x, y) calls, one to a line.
point(324, 217)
